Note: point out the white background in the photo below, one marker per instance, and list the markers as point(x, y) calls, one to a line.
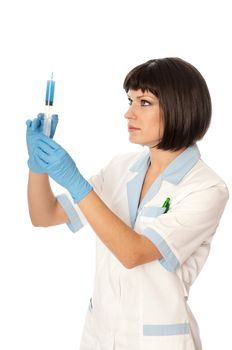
point(46, 275)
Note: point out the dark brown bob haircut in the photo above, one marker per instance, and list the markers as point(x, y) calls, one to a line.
point(183, 96)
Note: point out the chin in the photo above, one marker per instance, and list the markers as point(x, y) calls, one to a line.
point(143, 143)
point(136, 142)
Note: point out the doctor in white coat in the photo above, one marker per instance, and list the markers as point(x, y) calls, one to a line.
point(154, 212)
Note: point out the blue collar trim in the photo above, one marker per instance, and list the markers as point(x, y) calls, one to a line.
point(181, 165)
point(174, 173)
point(176, 170)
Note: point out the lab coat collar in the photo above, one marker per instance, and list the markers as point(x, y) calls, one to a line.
point(181, 165)
point(173, 173)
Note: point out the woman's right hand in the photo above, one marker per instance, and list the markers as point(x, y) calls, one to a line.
point(34, 131)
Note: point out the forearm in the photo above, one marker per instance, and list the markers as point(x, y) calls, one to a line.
point(128, 246)
point(42, 203)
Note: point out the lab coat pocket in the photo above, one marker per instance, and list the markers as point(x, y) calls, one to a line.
point(170, 342)
point(152, 212)
point(146, 216)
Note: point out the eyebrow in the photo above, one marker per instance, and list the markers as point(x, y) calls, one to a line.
point(139, 97)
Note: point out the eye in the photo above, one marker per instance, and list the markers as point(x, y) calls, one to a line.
point(145, 103)
point(129, 101)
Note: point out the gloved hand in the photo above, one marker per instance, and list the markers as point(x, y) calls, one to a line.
point(55, 161)
point(34, 131)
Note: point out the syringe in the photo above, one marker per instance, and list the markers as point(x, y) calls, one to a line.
point(49, 98)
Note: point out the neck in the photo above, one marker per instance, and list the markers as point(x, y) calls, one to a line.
point(160, 159)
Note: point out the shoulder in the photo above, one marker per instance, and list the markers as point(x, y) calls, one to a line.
point(203, 179)
point(206, 174)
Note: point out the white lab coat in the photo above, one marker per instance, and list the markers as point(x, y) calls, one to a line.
point(145, 308)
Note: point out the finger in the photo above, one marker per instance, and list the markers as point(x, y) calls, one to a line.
point(41, 119)
point(45, 148)
point(36, 124)
point(46, 158)
point(54, 124)
point(47, 140)
point(40, 161)
point(55, 118)
point(28, 123)
point(40, 116)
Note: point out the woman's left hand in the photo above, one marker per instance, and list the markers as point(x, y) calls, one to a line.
point(34, 131)
point(60, 166)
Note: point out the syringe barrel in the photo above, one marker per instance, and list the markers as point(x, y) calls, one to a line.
point(49, 98)
point(47, 125)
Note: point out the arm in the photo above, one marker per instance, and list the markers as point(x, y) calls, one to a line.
point(131, 248)
point(44, 209)
point(128, 246)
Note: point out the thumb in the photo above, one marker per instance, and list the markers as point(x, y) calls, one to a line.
point(54, 123)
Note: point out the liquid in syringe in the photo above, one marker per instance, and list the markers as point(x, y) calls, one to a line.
point(49, 99)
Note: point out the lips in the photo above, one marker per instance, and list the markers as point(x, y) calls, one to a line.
point(132, 128)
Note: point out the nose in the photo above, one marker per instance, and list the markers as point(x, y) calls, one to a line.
point(130, 114)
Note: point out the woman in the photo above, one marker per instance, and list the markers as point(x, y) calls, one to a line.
point(154, 212)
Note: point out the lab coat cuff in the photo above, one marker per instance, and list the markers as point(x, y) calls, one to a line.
point(169, 261)
point(75, 222)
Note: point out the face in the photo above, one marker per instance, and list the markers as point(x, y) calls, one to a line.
point(144, 117)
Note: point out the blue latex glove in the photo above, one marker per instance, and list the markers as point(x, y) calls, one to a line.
point(55, 161)
point(34, 131)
